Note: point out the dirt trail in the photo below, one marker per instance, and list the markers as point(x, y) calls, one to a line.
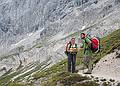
point(107, 68)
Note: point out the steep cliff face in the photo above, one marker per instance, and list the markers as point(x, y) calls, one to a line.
point(19, 17)
point(33, 31)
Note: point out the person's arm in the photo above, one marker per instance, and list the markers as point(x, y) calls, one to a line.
point(82, 44)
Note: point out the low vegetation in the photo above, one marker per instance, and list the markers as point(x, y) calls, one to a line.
point(58, 75)
point(109, 43)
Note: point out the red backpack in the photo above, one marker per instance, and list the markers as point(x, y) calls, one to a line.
point(95, 44)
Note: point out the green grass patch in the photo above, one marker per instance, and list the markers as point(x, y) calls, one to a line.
point(65, 79)
point(15, 84)
point(54, 69)
point(61, 66)
point(4, 80)
point(109, 43)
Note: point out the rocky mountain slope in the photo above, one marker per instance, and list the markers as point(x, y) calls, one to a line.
point(33, 33)
point(105, 72)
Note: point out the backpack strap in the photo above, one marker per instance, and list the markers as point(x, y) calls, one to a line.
point(89, 46)
point(70, 46)
point(67, 45)
point(75, 45)
point(88, 43)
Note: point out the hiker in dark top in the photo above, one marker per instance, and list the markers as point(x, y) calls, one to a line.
point(72, 51)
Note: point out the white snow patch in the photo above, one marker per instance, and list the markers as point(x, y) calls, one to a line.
point(30, 39)
point(22, 74)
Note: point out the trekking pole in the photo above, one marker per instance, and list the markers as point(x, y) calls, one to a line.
point(83, 12)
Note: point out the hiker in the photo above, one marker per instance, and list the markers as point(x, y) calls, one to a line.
point(87, 59)
point(72, 49)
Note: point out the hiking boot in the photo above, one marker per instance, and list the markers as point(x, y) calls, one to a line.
point(76, 71)
point(88, 72)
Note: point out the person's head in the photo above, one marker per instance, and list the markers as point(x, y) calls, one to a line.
point(73, 41)
point(83, 35)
